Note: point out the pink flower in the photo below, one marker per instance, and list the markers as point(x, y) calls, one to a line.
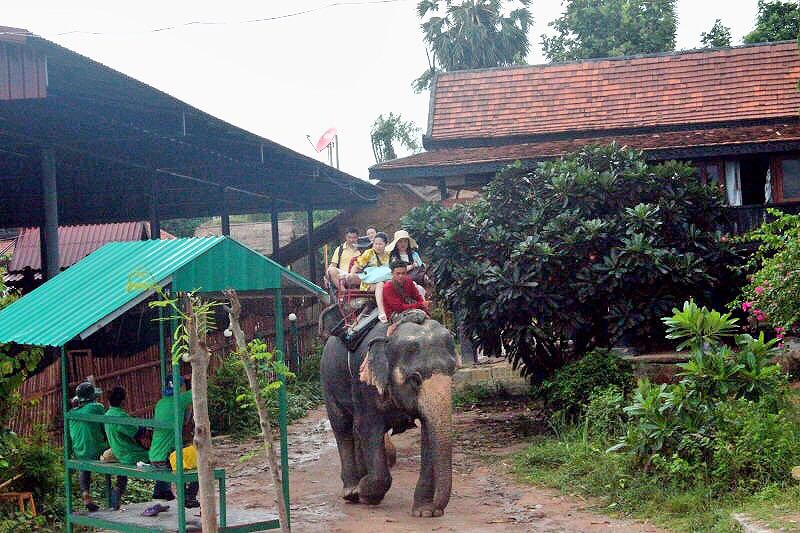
point(779, 330)
point(759, 290)
point(759, 314)
point(746, 306)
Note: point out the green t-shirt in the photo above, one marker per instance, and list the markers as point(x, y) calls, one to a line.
point(88, 438)
point(163, 442)
point(120, 438)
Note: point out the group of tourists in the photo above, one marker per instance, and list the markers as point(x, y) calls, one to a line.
point(392, 270)
point(127, 445)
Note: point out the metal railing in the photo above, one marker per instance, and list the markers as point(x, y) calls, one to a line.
point(743, 218)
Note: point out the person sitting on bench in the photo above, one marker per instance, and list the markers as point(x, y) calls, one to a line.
point(123, 443)
point(88, 438)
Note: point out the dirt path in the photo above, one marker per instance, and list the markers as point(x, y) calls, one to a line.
point(485, 498)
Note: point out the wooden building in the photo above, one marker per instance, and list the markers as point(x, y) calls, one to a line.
point(733, 112)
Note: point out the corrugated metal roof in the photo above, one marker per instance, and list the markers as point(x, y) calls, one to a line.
point(23, 71)
point(89, 293)
point(74, 243)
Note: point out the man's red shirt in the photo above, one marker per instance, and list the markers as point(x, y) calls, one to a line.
point(395, 301)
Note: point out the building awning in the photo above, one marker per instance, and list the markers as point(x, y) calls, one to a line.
point(94, 291)
point(117, 140)
point(701, 142)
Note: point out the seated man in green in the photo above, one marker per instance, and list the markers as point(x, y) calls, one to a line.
point(88, 439)
point(122, 440)
point(163, 442)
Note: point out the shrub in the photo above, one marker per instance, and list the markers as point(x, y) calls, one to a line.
point(604, 418)
point(231, 404)
point(754, 445)
point(773, 291)
point(576, 253)
point(571, 386)
point(727, 418)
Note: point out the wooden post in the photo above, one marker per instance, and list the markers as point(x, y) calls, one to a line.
point(49, 229)
point(155, 220)
point(443, 189)
point(312, 252)
point(67, 443)
point(275, 235)
point(234, 312)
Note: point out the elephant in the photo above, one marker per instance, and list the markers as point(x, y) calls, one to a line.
point(406, 376)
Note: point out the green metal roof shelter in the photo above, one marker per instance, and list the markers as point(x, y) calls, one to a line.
point(94, 291)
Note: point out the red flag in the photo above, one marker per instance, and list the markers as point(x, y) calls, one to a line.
point(325, 140)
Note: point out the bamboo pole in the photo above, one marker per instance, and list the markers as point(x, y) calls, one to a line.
point(234, 312)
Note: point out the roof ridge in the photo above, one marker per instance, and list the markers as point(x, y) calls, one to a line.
point(674, 53)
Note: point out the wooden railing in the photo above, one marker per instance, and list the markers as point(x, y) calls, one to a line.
point(743, 218)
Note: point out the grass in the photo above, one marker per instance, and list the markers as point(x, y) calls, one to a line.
point(576, 465)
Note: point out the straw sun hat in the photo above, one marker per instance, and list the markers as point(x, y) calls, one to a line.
point(401, 234)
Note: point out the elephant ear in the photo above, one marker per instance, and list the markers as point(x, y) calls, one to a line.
point(375, 367)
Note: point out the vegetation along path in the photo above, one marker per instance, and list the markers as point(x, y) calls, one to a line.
point(485, 496)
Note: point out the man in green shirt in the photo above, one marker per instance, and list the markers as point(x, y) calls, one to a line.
point(122, 440)
point(87, 438)
point(163, 442)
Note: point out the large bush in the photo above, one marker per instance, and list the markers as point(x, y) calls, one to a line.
point(576, 253)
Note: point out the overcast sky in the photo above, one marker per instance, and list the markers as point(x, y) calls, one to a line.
point(340, 66)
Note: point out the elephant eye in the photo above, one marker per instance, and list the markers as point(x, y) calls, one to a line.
point(415, 380)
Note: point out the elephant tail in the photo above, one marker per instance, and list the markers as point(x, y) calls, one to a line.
point(391, 451)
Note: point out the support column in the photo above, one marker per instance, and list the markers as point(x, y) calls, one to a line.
point(49, 229)
point(443, 190)
point(275, 235)
point(155, 219)
point(280, 346)
point(225, 215)
point(312, 252)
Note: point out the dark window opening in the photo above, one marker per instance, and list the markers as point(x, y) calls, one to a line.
point(753, 171)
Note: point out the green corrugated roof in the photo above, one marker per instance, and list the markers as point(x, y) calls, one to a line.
point(95, 288)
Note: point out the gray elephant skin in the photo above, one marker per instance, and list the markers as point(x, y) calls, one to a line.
point(408, 377)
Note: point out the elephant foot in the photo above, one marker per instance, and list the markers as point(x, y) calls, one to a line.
point(350, 494)
point(426, 511)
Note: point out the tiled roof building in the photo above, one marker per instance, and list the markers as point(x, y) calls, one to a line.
point(734, 112)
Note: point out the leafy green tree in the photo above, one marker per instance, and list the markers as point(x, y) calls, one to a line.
point(719, 36)
point(386, 131)
point(576, 254)
point(777, 21)
point(472, 34)
point(609, 28)
point(16, 364)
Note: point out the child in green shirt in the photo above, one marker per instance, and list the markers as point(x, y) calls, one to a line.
point(87, 438)
point(122, 440)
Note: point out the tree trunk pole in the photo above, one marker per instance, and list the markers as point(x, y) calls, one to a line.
point(263, 414)
point(198, 351)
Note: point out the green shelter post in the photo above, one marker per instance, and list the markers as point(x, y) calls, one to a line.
point(67, 443)
point(280, 346)
point(162, 357)
point(178, 428)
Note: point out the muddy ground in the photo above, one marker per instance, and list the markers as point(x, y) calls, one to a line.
point(485, 496)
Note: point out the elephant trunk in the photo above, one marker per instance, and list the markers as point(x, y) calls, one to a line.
point(435, 404)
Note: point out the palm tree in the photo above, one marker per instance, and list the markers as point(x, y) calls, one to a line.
point(472, 34)
point(390, 130)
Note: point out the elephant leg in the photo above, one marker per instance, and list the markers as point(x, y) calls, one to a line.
point(426, 486)
point(342, 426)
point(374, 486)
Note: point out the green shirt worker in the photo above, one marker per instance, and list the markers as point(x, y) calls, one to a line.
point(87, 438)
point(163, 442)
point(122, 440)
